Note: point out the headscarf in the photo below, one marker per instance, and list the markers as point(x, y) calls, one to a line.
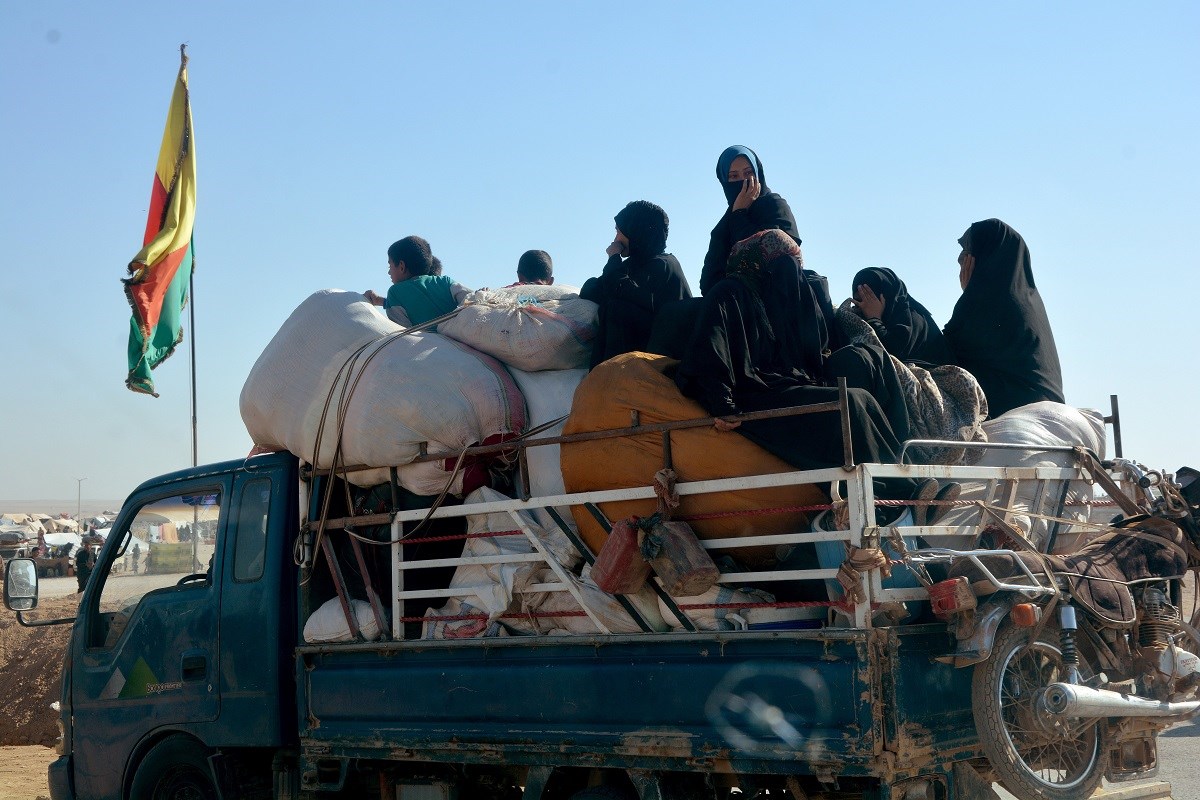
point(999, 330)
point(770, 264)
point(645, 225)
point(728, 156)
point(911, 328)
point(768, 211)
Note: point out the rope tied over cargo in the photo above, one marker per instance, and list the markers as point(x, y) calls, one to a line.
point(860, 560)
point(664, 490)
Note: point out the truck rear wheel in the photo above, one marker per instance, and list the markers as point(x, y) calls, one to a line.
point(175, 769)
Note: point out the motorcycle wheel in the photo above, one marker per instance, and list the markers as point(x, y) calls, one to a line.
point(1034, 753)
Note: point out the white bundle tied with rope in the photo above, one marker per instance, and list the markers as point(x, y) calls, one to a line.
point(529, 327)
point(342, 384)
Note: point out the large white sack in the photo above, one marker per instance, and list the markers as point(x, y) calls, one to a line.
point(427, 478)
point(528, 327)
point(407, 389)
point(548, 397)
point(565, 618)
point(328, 623)
point(1037, 424)
point(492, 588)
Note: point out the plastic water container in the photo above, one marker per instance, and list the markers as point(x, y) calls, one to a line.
point(830, 555)
point(620, 567)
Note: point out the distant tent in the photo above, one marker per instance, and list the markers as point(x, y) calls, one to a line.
point(59, 539)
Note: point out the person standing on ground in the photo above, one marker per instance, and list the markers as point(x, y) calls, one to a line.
point(83, 567)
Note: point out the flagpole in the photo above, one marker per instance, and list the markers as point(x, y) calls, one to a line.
point(195, 531)
point(192, 325)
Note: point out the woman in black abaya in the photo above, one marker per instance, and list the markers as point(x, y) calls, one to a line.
point(753, 208)
point(638, 280)
point(999, 331)
point(905, 327)
point(757, 347)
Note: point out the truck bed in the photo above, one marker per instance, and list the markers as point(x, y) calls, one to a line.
point(863, 702)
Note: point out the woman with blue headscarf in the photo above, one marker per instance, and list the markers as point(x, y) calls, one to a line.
point(753, 208)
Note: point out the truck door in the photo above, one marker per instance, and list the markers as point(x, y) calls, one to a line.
point(145, 645)
point(257, 632)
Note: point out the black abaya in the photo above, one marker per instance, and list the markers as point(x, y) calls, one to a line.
point(769, 211)
point(906, 327)
point(630, 293)
point(999, 331)
point(743, 358)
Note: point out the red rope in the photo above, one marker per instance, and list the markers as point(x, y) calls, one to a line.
point(484, 535)
point(838, 604)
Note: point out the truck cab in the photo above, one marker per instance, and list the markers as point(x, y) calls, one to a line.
point(194, 651)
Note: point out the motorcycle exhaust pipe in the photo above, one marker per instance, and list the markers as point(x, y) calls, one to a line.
point(1072, 700)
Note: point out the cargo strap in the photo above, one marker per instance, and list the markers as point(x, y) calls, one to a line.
point(860, 560)
point(664, 490)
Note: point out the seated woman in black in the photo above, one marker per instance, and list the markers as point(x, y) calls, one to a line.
point(904, 326)
point(999, 331)
point(638, 280)
point(753, 351)
point(753, 208)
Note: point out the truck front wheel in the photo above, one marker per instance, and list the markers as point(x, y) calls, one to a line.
point(175, 769)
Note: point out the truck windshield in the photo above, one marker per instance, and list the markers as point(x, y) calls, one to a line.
point(168, 546)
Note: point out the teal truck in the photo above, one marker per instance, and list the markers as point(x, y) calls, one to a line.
point(194, 677)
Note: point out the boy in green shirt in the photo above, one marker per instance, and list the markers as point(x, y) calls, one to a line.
point(419, 291)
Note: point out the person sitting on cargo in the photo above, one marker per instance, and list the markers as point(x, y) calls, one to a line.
point(999, 331)
point(535, 267)
point(904, 326)
point(753, 208)
point(756, 348)
point(638, 280)
point(419, 291)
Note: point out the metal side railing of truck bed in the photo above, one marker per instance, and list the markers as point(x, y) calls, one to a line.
point(1024, 506)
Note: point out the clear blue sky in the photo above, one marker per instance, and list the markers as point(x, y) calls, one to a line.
point(326, 131)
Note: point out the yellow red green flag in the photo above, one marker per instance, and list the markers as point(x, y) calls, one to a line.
point(160, 274)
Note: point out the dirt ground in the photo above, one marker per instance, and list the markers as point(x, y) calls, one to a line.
point(23, 772)
point(31, 674)
point(30, 680)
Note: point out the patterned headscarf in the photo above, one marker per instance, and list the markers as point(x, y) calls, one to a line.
point(771, 264)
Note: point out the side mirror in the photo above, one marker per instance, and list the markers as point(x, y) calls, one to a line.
point(20, 585)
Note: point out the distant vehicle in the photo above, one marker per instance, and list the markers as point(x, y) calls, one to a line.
point(15, 543)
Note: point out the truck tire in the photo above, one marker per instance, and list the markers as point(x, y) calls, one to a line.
point(176, 768)
point(1034, 755)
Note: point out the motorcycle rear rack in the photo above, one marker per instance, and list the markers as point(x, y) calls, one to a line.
point(1037, 586)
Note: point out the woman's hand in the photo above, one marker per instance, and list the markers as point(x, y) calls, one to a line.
point(966, 266)
point(617, 248)
point(749, 193)
point(726, 425)
point(869, 304)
